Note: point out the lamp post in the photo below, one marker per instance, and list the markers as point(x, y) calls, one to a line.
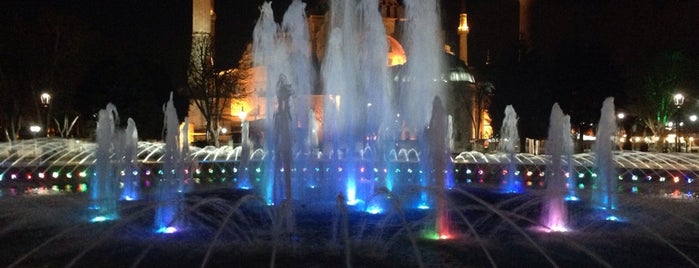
point(679, 100)
point(34, 129)
point(243, 127)
point(623, 137)
point(45, 103)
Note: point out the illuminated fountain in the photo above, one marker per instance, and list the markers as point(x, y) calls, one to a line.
point(104, 184)
point(554, 213)
point(509, 146)
point(176, 170)
point(379, 194)
point(604, 193)
point(116, 172)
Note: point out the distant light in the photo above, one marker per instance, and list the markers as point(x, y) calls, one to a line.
point(34, 129)
point(45, 99)
point(571, 198)
point(621, 115)
point(99, 219)
point(374, 210)
point(166, 230)
point(693, 118)
point(612, 218)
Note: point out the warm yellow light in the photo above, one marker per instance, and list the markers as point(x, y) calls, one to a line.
point(240, 109)
point(463, 23)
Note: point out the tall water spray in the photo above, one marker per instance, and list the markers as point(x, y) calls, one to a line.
point(245, 150)
point(424, 64)
point(294, 31)
point(357, 108)
point(173, 180)
point(129, 171)
point(268, 54)
point(104, 185)
point(605, 184)
point(509, 145)
point(283, 154)
point(438, 157)
point(568, 146)
point(554, 213)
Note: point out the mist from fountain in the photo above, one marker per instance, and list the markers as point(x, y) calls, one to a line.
point(554, 212)
point(175, 173)
point(104, 184)
point(438, 156)
point(129, 171)
point(283, 154)
point(509, 146)
point(605, 184)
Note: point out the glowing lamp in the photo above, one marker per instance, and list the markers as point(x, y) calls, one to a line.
point(678, 99)
point(35, 129)
point(45, 99)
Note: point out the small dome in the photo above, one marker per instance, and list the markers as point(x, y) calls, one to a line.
point(396, 54)
point(455, 71)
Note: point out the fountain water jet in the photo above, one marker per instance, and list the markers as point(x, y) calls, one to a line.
point(104, 185)
point(554, 212)
point(604, 189)
point(283, 153)
point(509, 145)
point(130, 170)
point(438, 157)
point(175, 170)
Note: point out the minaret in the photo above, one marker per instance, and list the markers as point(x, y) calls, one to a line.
point(203, 19)
point(463, 38)
point(523, 26)
point(203, 16)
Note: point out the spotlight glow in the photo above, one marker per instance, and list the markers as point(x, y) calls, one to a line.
point(166, 230)
point(374, 210)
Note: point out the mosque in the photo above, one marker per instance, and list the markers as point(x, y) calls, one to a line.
point(468, 104)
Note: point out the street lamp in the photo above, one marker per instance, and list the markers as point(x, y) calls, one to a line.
point(45, 103)
point(679, 100)
point(34, 129)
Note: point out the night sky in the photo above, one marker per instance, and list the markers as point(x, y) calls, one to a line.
point(156, 34)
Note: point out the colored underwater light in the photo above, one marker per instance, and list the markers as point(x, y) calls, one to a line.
point(572, 198)
point(102, 218)
point(432, 235)
point(612, 218)
point(166, 230)
point(374, 210)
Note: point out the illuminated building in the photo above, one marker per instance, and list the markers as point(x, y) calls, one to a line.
point(468, 108)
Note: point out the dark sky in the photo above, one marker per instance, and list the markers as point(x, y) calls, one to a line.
point(161, 28)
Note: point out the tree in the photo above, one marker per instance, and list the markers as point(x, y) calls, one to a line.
point(655, 105)
point(47, 51)
point(211, 90)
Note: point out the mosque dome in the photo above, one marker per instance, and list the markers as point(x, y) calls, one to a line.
point(455, 71)
point(396, 53)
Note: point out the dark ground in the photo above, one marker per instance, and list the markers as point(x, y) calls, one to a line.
point(52, 231)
